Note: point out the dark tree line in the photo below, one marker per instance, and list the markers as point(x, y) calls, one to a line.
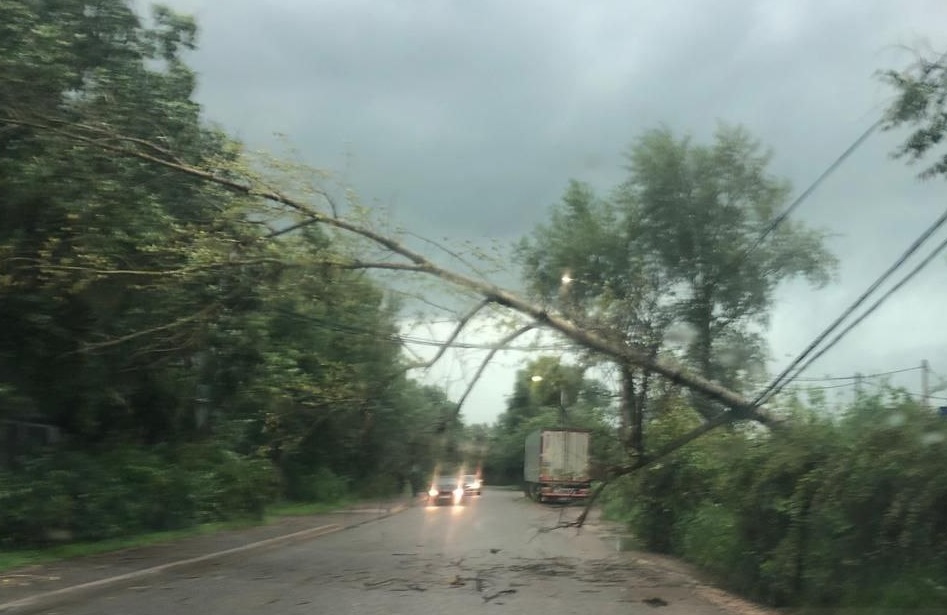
point(159, 322)
point(199, 335)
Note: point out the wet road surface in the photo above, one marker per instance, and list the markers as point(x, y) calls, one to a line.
point(490, 554)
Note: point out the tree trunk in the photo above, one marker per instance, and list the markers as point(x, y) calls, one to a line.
point(625, 404)
point(703, 348)
point(632, 411)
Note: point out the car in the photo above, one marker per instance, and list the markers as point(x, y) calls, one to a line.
point(446, 490)
point(472, 484)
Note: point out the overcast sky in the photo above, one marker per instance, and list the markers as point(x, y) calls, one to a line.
point(465, 119)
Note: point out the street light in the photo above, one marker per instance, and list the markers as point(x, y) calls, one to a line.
point(562, 398)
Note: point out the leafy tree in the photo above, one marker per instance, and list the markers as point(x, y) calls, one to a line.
point(179, 273)
point(583, 263)
point(827, 513)
point(921, 104)
point(109, 274)
point(699, 211)
point(687, 241)
point(143, 308)
point(544, 383)
point(548, 393)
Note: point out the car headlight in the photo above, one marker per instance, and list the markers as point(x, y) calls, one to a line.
point(432, 492)
point(475, 484)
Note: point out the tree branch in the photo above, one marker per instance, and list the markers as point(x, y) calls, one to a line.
point(152, 272)
point(645, 460)
point(356, 264)
point(449, 252)
point(483, 365)
point(453, 336)
point(274, 233)
point(591, 340)
point(91, 347)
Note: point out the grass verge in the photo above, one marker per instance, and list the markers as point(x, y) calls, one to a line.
point(10, 560)
point(29, 557)
point(297, 509)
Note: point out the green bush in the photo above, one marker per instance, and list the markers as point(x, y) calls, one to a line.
point(378, 485)
point(827, 514)
point(709, 538)
point(30, 509)
point(319, 485)
point(82, 496)
point(227, 485)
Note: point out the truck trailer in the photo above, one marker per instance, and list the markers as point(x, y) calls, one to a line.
point(556, 465)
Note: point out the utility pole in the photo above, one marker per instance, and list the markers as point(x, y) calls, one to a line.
point(925, 384)
point(562, 406)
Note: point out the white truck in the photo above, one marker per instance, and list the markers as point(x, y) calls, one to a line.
point(556, 465)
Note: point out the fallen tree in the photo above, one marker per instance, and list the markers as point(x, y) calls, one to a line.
point(407, 260)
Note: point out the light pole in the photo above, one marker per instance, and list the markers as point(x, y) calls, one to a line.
point(562, 399)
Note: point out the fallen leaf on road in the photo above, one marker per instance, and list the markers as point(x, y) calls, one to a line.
point(655, 602)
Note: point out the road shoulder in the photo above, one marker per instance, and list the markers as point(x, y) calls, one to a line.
point(40, 586)
point(673, 574)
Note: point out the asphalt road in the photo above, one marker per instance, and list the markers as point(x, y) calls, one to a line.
point(488, 555)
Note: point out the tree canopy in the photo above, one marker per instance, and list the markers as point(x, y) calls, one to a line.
point(921, 104)
point(144, 308)
point(202, 331)
point(682, 259)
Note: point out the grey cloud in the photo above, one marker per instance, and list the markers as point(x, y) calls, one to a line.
point(466, 119)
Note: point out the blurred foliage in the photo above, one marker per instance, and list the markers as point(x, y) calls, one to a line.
point(94, 495)
point(560, 396)
point(921, 105)
point(845, 512)
point(682, 257)
point(198, 361)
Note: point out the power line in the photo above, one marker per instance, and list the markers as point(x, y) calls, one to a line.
point(921, 395)
point(823, 388)
point(401, 339)
point(777, 384)
point(857, 376)
point(818, 181)
point(805, 194)
point(930, 257)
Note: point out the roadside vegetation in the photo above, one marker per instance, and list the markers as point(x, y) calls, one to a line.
point(168, 358)
point(67, 549)
point(840, 510)
point(839, 506)
point(845, 507)
point(185, 346)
